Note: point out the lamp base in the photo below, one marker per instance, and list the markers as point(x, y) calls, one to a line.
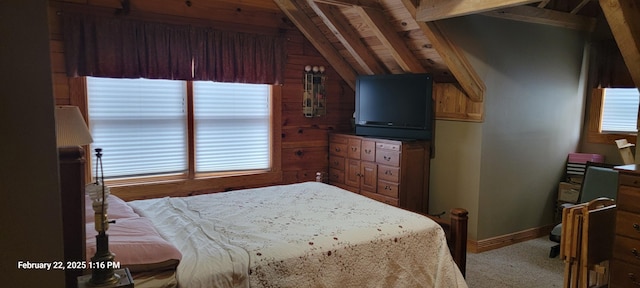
point(124, 280)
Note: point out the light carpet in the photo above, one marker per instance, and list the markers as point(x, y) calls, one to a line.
point(525, 264)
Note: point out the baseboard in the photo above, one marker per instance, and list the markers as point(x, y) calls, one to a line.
point(508, 239)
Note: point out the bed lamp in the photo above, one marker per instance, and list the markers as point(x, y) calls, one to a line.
point(102, 267)
point(71, 130)
point(105, 272)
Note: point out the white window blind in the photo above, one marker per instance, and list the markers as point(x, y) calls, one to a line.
point(620, 111)
point(232, 126)
point(140, 124)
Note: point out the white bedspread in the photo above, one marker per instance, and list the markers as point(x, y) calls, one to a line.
point(300, 235)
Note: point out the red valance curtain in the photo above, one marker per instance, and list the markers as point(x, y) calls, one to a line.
point(237, 57)
point(123, 48)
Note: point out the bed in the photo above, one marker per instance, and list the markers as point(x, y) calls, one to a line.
point(297, 235)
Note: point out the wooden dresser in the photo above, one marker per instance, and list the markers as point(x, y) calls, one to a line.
point(625, 265)
point(390, 171)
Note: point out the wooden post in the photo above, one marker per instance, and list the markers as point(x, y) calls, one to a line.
point(459, 222)
point(72, 181)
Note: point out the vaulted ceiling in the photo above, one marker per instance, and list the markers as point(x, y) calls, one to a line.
point(403, 36)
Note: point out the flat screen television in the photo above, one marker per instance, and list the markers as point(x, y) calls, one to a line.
point(397, 106)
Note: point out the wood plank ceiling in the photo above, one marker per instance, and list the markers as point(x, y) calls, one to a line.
point(402, 36)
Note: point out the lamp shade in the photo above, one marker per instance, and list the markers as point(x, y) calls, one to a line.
point(71, 130)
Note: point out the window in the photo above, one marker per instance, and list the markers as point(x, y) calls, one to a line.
point(143, 126)
point(231, 126)
point(613, 114)
point(620, 110)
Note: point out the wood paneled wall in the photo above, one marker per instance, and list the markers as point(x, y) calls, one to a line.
point(304, 140)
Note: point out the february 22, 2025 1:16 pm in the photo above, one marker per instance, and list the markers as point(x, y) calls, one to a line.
point(61, 265)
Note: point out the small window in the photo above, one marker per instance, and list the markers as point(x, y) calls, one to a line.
point(620, 110)
point(618, 120)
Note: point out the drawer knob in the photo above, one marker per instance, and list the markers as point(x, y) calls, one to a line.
point(634, 251)
point(367, 151)
point(337, 149)
point(387, 188)
point(387, 172)
point(632, 277)
point(636, 226)
point(387, 158)
point(354, 149)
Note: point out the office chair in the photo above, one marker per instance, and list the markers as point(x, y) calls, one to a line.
point(598, 182)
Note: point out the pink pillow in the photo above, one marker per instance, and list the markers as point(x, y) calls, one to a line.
point(117, 209)
point(136, 245)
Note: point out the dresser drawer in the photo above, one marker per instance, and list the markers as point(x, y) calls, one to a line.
point(336, 162)
point(368, 151)
point(628, 198)
point(629, 180)
point(336, 176)
point(627, 249)
point(388, 146)
point(389, 173)
point(353, 151)
point(624, 274)
point(338, 149)
point(628, 224)
point(388, 189)
point(388, 157)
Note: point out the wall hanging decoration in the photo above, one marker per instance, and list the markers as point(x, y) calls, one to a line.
point(314, 97)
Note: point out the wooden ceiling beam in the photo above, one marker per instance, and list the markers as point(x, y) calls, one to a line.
point(379, 24)
point(543, 3)
point(623, 17)
point(339, 26)
point(455, 60)
point(350, 3)
point(319, 41)
point(579, 6)
point(550, 17)
point(431, 10)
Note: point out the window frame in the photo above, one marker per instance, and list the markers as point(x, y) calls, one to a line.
point(594, 122)
point(189, 183)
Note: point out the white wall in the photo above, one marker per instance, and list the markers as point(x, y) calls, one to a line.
point(533, 114)
point(455, 170)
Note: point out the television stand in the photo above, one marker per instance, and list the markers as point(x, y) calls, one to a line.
point(395, 172)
